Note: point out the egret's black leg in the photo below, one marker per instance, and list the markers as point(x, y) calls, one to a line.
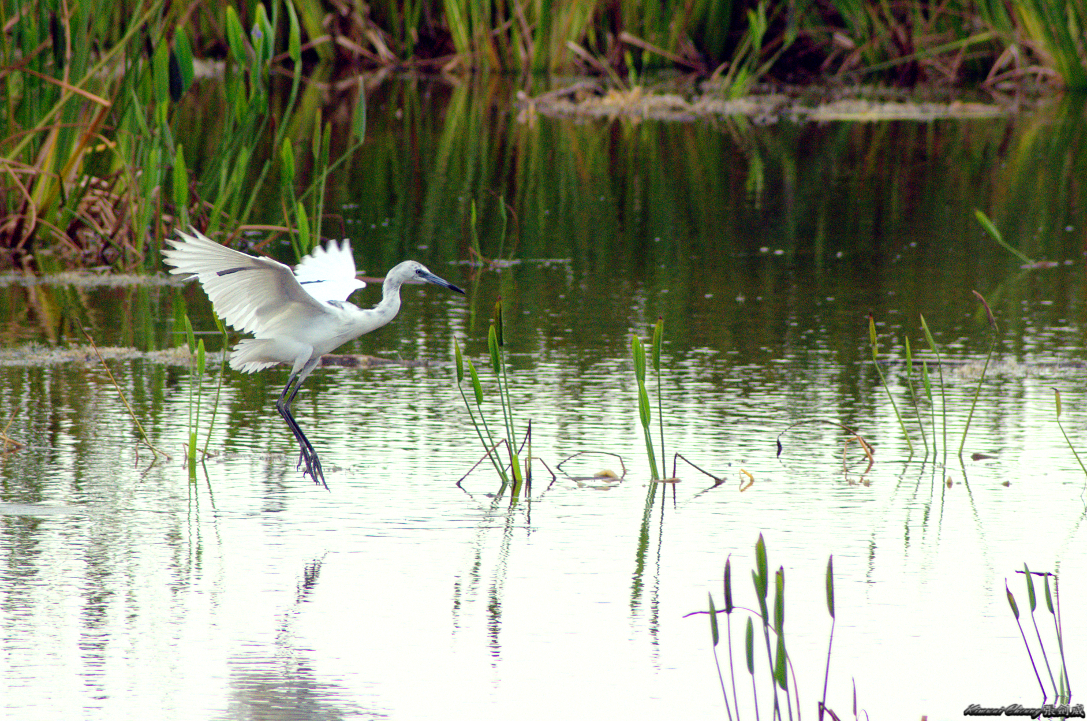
point(307, 453)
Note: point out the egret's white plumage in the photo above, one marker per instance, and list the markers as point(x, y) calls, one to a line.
point(328, 273)
point(295, 316)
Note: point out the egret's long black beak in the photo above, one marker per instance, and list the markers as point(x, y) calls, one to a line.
point(431, 278)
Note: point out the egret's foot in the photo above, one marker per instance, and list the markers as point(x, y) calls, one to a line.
point(313, 469)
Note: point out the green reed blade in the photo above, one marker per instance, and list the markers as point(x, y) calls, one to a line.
point(476, 386)
point(761, 570)
point(639, 358)
point(658, 338)
point(358, 118)
point(643, 406)
point(749, 646)
point(981, 378)
point(286, 158)
point(235, 37)
point(830, 586)
point(459, 359)
point(183, 55)
point(263, 37)
point(780, 675)
point(1011, 601)
point(492, 346)
point(189, 335)
point(160, 65)
point(991, 229)
point(1030, 588)
point(498, 321)
point(728, 585)
point(943, 390)
point(294, 37)
point(872, 336)
point(913, 393)
point(305, 242)
point(315, 136)
point(713, 622)
point(181, 187)
point(779, 601)
point(658, 335)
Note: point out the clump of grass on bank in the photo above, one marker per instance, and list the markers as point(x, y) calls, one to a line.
point(92, 173)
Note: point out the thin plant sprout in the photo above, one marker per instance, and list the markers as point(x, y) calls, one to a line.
point(644, 412)
point(1015, 612)
point(913, 393)
point(875, 352)
point(981, 378)
point(943, 391)
point(1057, 397)
point(488, 443)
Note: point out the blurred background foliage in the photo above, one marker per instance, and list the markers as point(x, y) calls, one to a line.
point(122, 120)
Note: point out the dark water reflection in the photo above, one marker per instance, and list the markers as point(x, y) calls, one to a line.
point(244, 592)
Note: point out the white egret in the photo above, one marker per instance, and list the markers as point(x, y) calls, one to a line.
point(295, 317)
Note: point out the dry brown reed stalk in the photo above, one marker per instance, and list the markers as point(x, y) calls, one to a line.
point(132, 413)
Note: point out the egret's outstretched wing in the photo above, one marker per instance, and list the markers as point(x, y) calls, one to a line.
point(328, 273)
point(251, 294)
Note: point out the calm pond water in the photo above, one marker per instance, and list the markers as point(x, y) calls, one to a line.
point(131, 589)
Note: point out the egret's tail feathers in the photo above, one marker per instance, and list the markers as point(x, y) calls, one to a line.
point(253, 354)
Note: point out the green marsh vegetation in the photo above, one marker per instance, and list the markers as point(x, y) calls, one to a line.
point(93, 171)
point(1060, 684)
point(780, 697)
point(98, 163)
point(513, 476)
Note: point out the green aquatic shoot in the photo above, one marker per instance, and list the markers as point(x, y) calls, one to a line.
point(1023, 635)
point(644, 412)
point(994, 233)
point(943, 392)
point(913, 393)
point(481, 427)
point(778, 662)
point(658, 337)
point(988, 357)
point(716, 636)
point(196, 373)
point(833, 621)
point(1067, 440)
point(219, 385)
point(873, 341)
point(927, 382)
point(1037, 632)
point(495, 344)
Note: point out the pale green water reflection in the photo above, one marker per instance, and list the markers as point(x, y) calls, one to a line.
point(129, 592)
